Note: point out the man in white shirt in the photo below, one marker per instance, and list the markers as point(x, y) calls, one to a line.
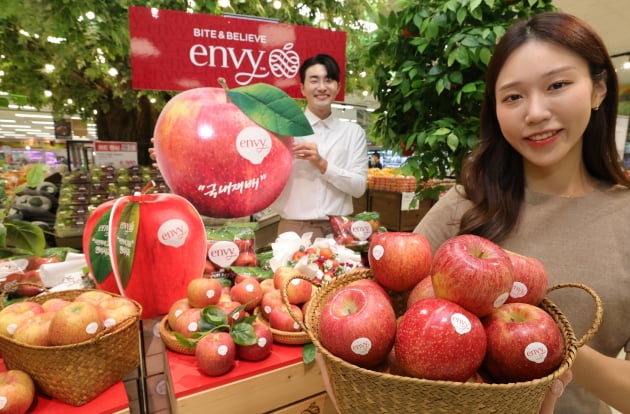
point(330, 166)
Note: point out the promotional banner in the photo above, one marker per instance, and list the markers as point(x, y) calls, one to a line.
point(173, 50)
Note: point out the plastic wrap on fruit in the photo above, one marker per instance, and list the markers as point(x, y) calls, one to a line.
point(229, 245)
point(355, 231)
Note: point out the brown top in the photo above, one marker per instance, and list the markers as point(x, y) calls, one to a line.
point(584, 240)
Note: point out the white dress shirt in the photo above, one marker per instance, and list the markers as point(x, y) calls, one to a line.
point(311, 195)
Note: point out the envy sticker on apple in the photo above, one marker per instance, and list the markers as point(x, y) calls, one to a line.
point(92, 328)
point(173, 232)
point(223, 253)
point(3, 401)
point(378, 251)
point(253, 143)
point(461, 323)
point(361, 229)
point(361, 346)
point(519, 289)
point(222, 350)
point(210, 293)
point(536, 352)
point(261, 342)
point(500, 300)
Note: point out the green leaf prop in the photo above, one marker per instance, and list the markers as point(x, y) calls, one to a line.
point(272, 109)
point(99, 249)
point(26, 235)
point(126, 240)
point(308, 353)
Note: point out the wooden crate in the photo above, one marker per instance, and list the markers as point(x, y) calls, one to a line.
point(393, 215)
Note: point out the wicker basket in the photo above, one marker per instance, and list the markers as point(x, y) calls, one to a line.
point(76, 374)
point(170, 341)
point(359, 390)
point(284, 337)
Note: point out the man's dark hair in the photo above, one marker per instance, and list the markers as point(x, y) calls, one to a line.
point(332, 68)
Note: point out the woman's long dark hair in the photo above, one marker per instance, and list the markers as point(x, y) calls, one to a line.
point(493, 175)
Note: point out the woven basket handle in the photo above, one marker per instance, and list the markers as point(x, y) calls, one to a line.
point(599, 308)
point(11, 286)
point(285, 298)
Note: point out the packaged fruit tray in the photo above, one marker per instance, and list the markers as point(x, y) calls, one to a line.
point(363, 390)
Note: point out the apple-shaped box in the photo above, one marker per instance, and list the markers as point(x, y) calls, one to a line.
point(214, 155)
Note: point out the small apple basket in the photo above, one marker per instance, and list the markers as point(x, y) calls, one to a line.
point(76, 374)
point(360, 390)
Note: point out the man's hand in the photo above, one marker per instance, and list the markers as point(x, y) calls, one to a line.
point(308, 151)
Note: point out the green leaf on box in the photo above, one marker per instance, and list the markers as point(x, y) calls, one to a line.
point(271, 108)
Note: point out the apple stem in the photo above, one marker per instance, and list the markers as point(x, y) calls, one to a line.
point(225, 87)
point(147, 187)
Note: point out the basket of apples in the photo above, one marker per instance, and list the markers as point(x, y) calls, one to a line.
point(74, 344)
point(469, 329)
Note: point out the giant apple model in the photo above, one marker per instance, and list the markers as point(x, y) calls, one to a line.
point(439, 340)
point(358, 324)
point(210, 152)
point(473, 272)
point(399, 260)
point(530, 279)
point(96, 247)
point(524, 343)
point(157, 245)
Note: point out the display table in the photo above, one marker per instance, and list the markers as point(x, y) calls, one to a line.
point(281, 384)
point(112, 401)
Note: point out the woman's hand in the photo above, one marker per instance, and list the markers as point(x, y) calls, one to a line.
point(557, 388)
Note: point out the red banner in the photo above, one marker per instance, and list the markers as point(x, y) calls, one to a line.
point(173, 50)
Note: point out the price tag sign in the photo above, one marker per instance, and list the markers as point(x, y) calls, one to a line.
point(115, 153)
point(405, 202)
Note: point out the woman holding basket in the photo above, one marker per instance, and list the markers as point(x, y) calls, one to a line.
point(546, 181)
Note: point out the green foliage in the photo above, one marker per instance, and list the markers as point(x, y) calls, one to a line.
point(428, 61)
point(19, 237)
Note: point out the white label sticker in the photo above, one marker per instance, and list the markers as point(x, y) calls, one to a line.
point(222, 350)
point(178, 312)
point(173, 232)
point(361, 346)
point(262, 342)
point(378, 251)
point(361, 229)
point(461, 323)
point(223, 253)
point(92, 328)
point(254, 144)
point(210, 293)
point(536, 352)
point(296, 326)
point(3, 401)
point(519, 289)
point(11, 328)
point(192, 327)
point(500, 300)
point(109, 322)
point(249, 288)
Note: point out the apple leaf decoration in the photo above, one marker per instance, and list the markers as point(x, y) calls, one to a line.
point(272, 109)
point(130, 214)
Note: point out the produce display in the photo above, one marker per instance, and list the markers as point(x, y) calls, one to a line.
point(456, 323)
point(356, 231)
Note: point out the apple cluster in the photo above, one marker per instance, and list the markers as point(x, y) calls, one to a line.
point(58, 321)
point(472, 313)
point(20, 275)
point(355, 231)
point(212, 315)
point(230, 246)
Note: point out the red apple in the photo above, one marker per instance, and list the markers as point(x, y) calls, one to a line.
point(246, 258)
point(439, 340)
point(35, 262)
point(93, 296)
point(17, 391)
point(298, 290)
point(266, 285)
point(358, 324)
point(473, 272)
point(281, 319)
point(524, 343)
point(229, 307)
point(248, 292)
point(157, 245)
point(212, 154)
point(54, 304)
point(261, 349)
point(399, 260)
point(33, 283)
point(424, 289)
point(35, 330)
point(17, 313)
point(176, 309)
point(215, 353)
point(76, 322)
point(374, 284)
point(116, 309)
point(188, 322)
point(530, 279)
point(203, 291)
point(269, 301)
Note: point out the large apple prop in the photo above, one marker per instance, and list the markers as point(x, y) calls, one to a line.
point(530, 279)
point(157, 245)
point(212, 153)
point(17, 391)
point(95, 241)
point(439, 340)
point(473, 272)
point(524, 343)
point(399, 260)
point(358, 324)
